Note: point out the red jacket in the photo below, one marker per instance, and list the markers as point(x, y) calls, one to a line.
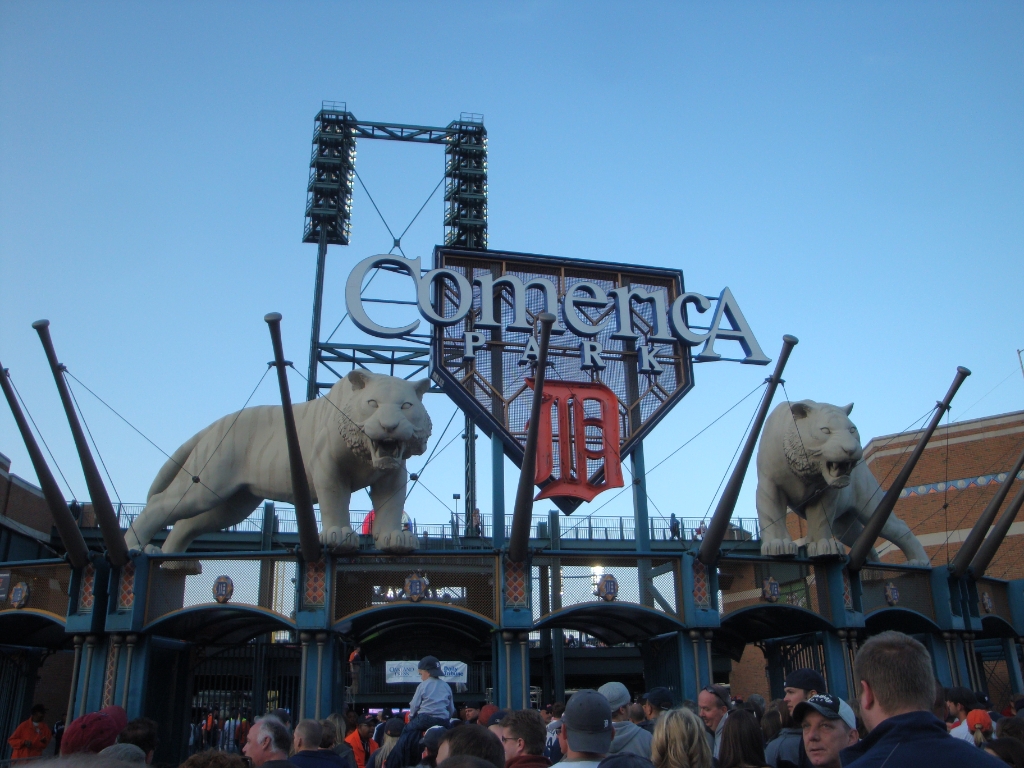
point(362, 756)
point(528, 761)
point(37, 734)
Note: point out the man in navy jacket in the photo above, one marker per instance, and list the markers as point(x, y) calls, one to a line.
point(897, 688)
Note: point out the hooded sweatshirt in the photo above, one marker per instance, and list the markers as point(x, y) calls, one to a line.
point(631, 739)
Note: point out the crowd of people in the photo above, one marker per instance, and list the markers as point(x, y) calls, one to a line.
point(901, 718)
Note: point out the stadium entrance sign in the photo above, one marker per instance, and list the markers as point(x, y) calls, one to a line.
point(621, 353)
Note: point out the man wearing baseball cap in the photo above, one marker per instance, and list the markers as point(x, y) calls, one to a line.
point(655, 701)
point(828, 725)
point(629, 738)
point(587, 730)
point(787, 749)
point(800, 685)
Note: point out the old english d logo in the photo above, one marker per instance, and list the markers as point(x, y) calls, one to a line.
point(587, 438)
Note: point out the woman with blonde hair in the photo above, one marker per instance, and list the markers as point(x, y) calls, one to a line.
point(679, 741)
point(392, 732)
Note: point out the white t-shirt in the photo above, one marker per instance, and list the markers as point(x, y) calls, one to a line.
point(962, 732)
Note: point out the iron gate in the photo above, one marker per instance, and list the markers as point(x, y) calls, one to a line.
point(254, 679)
point(792, 653)
point(14, 672)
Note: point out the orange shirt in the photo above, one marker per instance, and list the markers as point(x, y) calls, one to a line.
point(356, 743)
point(37, 734)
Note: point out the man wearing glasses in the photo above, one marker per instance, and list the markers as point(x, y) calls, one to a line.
point(523, 739)
point(714, 703)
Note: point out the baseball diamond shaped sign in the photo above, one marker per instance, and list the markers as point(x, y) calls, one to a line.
point(489, 378)
point(620, 357)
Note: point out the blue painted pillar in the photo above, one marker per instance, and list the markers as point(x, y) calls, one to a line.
point(940, 660)
point(512, 651)
point(835, 665)
point(511, 654)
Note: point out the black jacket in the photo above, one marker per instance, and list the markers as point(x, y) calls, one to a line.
point(915, 740)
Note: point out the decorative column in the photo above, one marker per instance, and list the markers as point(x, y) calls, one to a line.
point(79, 640)
point(90, 647)
point(321, 639)
point(304, 640)
point(131, 641)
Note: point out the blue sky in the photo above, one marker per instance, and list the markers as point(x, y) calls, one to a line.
point(853, 172)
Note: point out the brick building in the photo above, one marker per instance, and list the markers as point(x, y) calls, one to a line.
point(25, 520)
point(957, 475)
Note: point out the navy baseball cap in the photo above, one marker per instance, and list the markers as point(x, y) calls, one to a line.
point(588, 722)
point(805, 679)
point(659, 697)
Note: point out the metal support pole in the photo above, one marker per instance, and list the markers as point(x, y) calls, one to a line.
point(318, 300)
point(524, 662)
point(471, 504)
point(90, 646)
point(695, 642)
point(113, 538)
point(522, 514)
point(954, 666)
point(990, 546)
point(305, 519)
point(70, 534)
point(304, 640)
point(76, 665)
point(118, 641)
point(507, 637)
point(321, 639)
point(862, 546)
point(711, 669)
point(132, 640)
point(970, 547)
point(708, 553)
point(497, 492)
point(638, 468)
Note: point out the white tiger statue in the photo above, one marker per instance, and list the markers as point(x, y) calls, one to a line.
point(359, 435)
point(809, 461)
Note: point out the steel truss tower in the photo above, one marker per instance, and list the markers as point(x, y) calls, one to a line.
point(329, 222)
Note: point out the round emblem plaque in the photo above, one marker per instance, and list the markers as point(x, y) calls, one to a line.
point(986, 602)
point(416, 587)
point(770, 590)
point(607, 588)
point(892, 594)
point(223, 589)
point(19, 595)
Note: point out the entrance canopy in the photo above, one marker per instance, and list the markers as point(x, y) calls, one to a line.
point(38, 629)
point(900, 619)
point(411, 625)
point(224, 624)
point(612, 623)
point(766, 622)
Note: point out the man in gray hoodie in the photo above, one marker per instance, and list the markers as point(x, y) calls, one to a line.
point(629, 738)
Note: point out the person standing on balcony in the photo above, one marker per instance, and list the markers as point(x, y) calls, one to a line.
point(355, 663)
point(673, 527)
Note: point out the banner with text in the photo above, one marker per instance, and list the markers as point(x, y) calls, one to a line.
point(407, 672)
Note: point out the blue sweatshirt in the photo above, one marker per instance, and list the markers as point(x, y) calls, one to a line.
point(433, 698)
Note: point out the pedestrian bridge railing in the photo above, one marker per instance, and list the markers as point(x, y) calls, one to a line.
point(578, 527)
